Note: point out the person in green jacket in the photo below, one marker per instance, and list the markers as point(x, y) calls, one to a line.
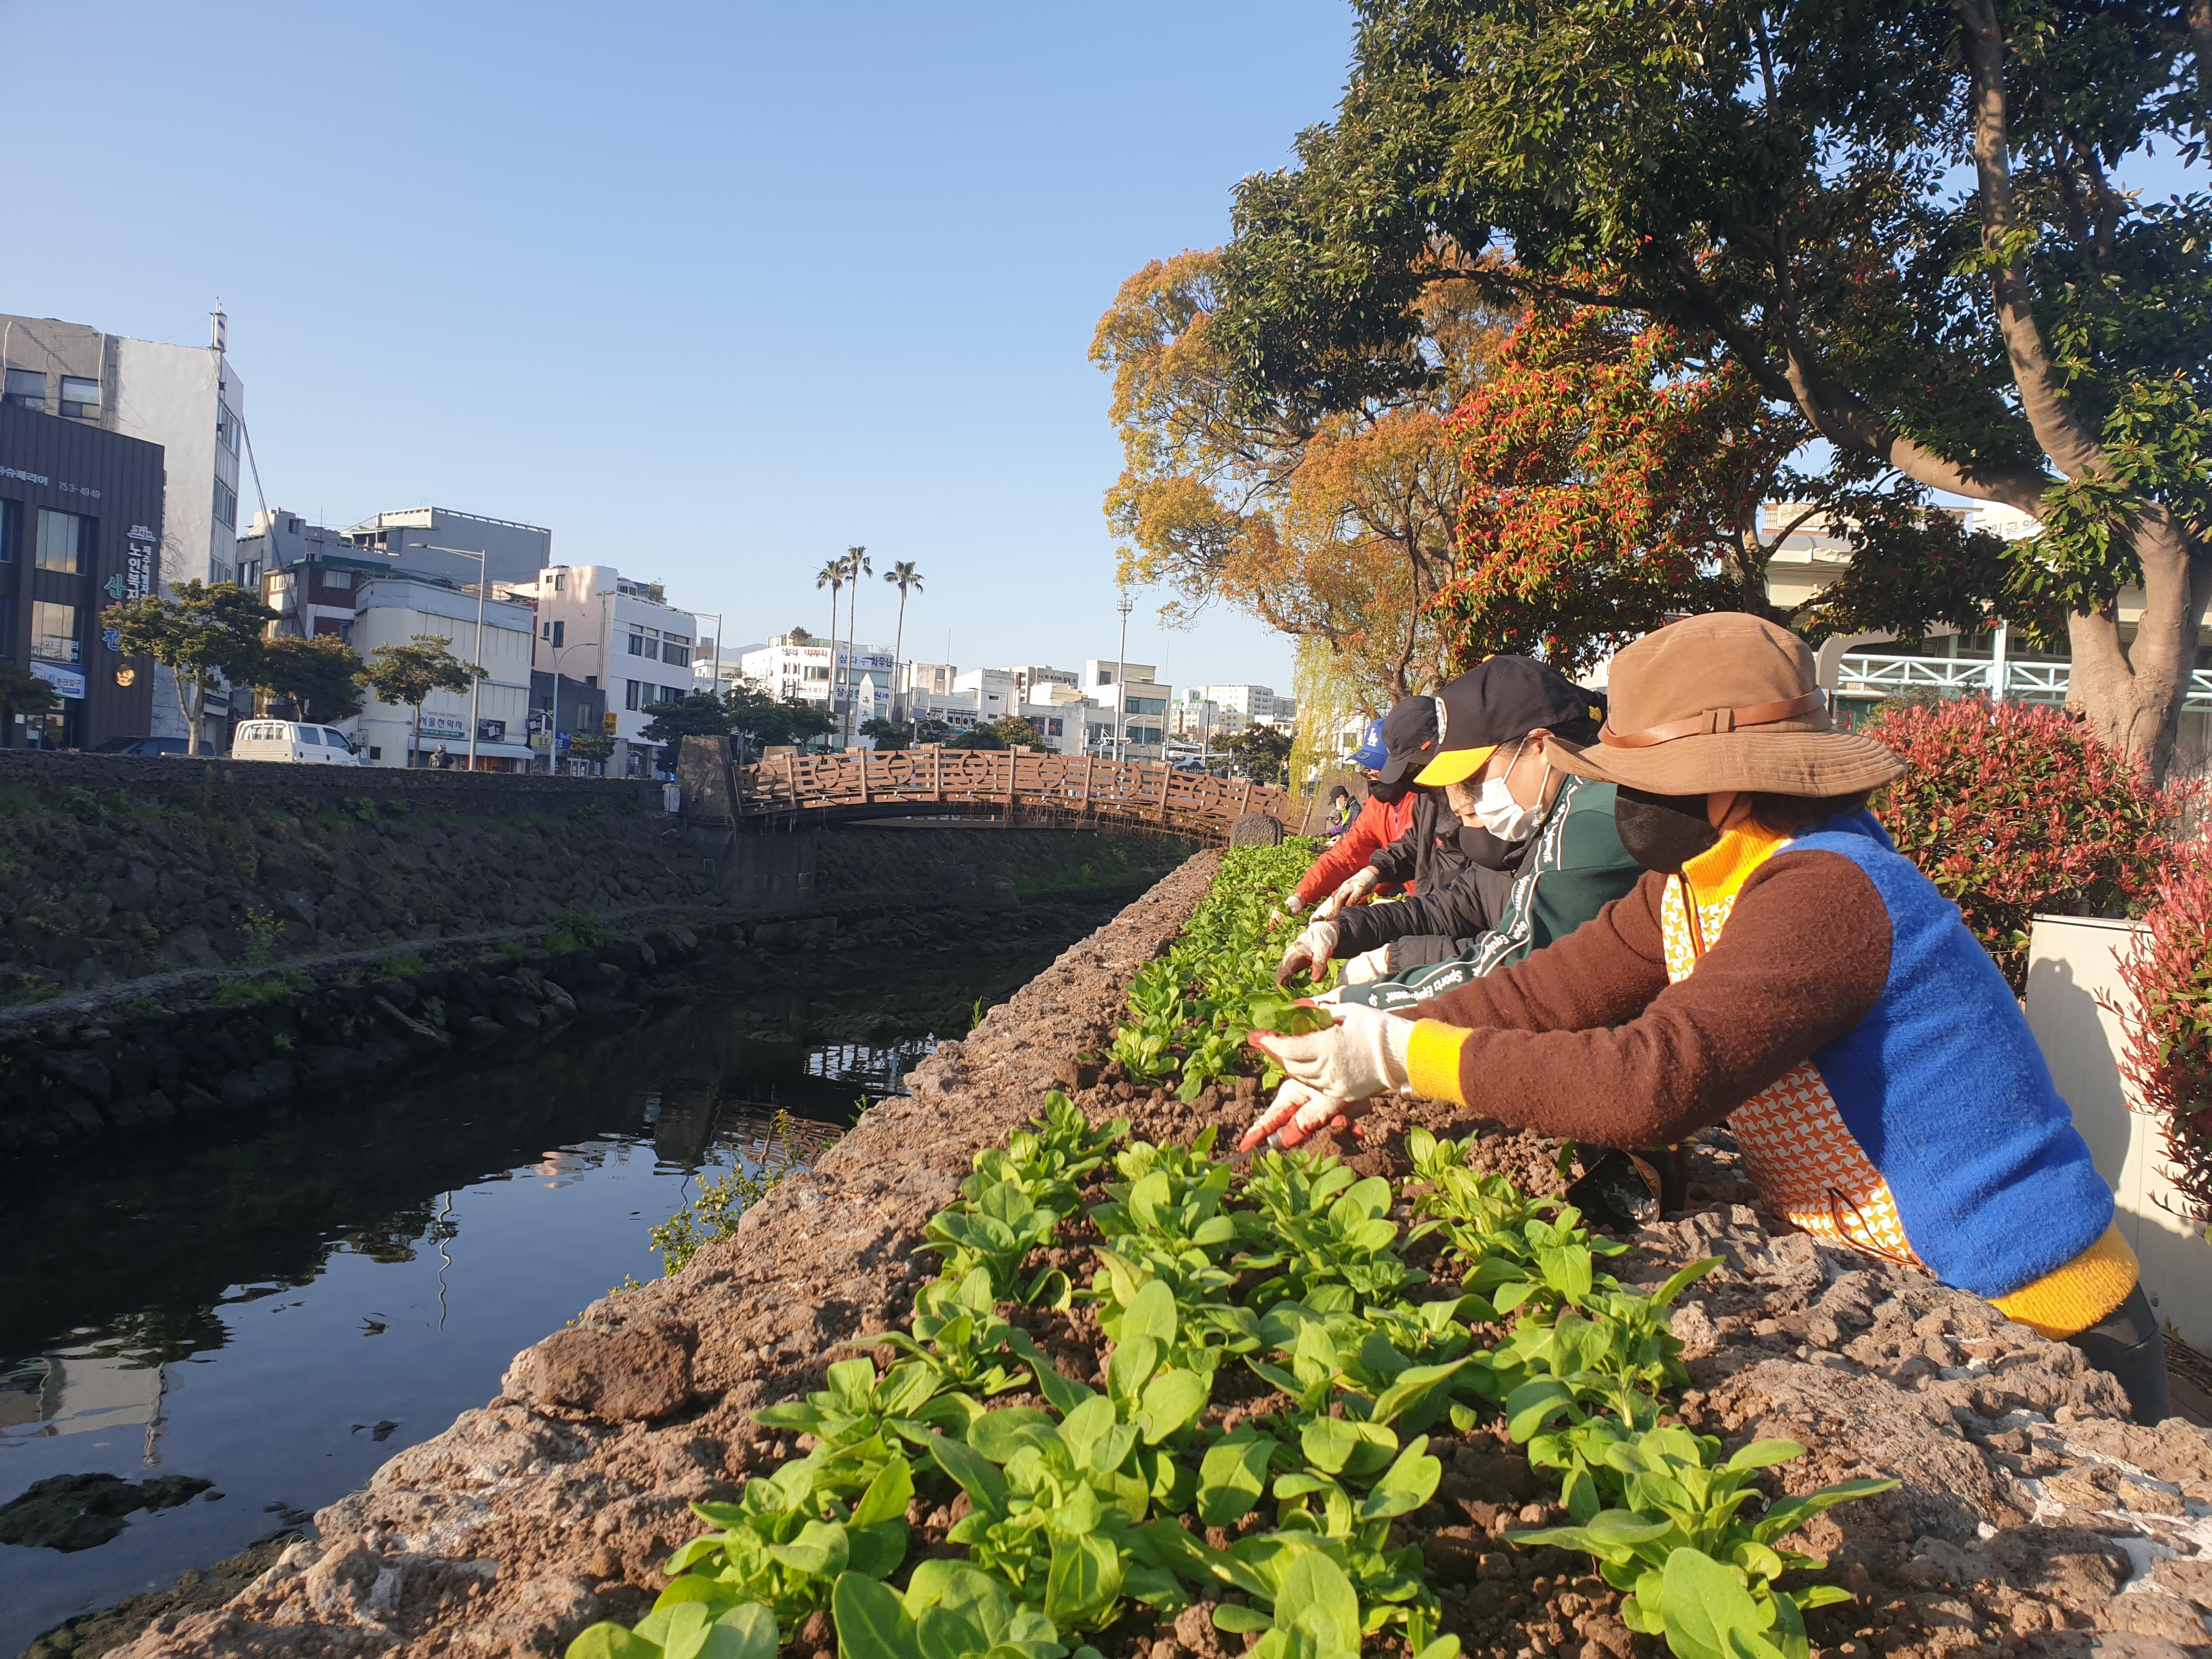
point(1547, 837)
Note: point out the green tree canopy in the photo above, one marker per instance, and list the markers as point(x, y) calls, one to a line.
point(200, 631)
point(1901, 223)
point(408, 674)
point(322, 674)
point(22, 692)
point(696, 714)
point(1259, 752)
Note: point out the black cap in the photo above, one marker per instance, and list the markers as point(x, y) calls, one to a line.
point(1409, 739)
point(1499, 702)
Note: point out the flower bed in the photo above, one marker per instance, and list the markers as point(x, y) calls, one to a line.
point(1146, 1378)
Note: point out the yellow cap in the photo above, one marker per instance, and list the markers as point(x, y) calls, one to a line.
point(1456, 765)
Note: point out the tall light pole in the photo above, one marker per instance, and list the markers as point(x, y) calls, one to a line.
point(1125, 604)
point(476, 685)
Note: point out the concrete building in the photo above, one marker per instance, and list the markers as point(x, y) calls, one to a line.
point(80, 530)
point(189, 400)
point(513, 552)
point(562, 709)
point(827, 672)
point(1864, 669)
point(1030, 680)
point(620, 636)
point(1128, 704)
point(1240, 706)
point(393, 608)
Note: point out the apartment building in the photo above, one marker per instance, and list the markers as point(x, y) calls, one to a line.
point(619, 635)
point(80, 530)
point(852, 682)
point(1240, 706)
point(395, 608)
point(1129, 707)
point(443, 542)
point(190, 401)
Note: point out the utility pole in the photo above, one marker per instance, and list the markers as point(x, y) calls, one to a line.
point(1125, 604)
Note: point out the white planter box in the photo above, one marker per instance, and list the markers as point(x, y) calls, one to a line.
point(2072, 961)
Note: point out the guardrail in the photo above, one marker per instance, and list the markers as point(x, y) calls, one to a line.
point(1864, 674)
point(969, 782)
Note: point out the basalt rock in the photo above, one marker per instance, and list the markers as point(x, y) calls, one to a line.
point(633, 1374)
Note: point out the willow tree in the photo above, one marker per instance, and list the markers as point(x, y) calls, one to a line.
point(1902, 223)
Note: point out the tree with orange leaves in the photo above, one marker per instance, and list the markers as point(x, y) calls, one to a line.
point(1341, 528)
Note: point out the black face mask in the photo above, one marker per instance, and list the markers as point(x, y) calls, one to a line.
point(1662, 832)
point(1391, 793)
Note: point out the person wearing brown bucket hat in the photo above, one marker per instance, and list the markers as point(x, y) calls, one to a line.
point(1780, 969)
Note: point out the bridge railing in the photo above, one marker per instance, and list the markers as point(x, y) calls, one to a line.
point(1080, 785)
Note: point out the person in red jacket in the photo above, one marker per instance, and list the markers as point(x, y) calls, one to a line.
point(1386, 815)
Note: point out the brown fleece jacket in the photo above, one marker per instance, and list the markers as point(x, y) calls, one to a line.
point(1587, 1037)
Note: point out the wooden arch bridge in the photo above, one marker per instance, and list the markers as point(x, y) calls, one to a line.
point(788, 790)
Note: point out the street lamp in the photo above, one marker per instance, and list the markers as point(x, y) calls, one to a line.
point(1125, 604)
point(476, 685)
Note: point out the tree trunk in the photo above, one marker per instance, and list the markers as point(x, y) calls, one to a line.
point(898, 649)
point(191, 715)
point(2132, 694)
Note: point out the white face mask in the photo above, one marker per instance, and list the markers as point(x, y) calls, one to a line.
point(1497, 811)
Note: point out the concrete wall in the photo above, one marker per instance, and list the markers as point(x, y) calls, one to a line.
point(2073, 972)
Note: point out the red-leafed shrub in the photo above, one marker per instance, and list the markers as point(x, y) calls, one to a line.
point(2010, 809)
point(2169, 1059)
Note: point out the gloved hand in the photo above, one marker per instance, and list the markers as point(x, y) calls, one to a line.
point(1353, 888)
point(1289, 907)
point(1377, 963)
point(1296, 1112)
point(1310, 952)
point(1363, 1053)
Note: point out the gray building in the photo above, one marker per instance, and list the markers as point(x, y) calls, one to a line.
point(513, 552)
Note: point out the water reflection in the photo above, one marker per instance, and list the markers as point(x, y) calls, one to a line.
point(279, 1304)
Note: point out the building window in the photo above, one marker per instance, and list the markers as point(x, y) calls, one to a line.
point(27, 389)
point(638, 645)
point(226, 427)
point(11, 529)
point(814, 673)
point(339, 581)
point(637, 698)
point(80, 398)
point(560, 635)
point(64, 543)
point(53, 631)
point(677, 652)
point(1147, 705)
point(226, 505)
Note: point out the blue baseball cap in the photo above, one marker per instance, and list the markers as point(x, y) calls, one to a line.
point(1370, 754)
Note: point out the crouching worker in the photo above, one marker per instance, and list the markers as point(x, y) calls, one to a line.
point(1546, 837)
point(1782, 969)
point(1387, 814)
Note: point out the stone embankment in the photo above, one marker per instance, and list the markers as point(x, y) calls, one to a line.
point(2032, 1519)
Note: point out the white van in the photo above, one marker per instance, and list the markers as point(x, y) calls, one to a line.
point(292, 740)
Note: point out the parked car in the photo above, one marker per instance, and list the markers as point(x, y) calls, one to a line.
point(143, 746)
point(292, 740)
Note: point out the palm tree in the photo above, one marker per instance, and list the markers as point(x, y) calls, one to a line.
point(856, 566)
point(832, 576)
point(903, 576)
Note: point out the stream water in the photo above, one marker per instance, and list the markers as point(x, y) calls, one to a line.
point(278, 1305)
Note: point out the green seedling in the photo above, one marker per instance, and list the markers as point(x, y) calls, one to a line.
point(950, 1610)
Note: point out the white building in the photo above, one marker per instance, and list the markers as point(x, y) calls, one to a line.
point(189, 400)
point(394, 609)
point(424, 538)
point(1240, 706)
point(596, 625)
point(1129, 705)
point(809, 668)
point(1031, 679)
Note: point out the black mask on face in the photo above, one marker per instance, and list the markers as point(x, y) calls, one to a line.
point(1662, 832)
point(1391, 793)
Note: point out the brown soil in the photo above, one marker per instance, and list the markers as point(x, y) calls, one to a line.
point(2031, 1517)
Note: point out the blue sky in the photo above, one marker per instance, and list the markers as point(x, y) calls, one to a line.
point(713, 291)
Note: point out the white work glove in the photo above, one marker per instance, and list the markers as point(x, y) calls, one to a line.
point(1368, 965)
point(1310, 952)
point(1353, 888)
point(1297, 1112)
point(1363, 1053)
point(1289, 907)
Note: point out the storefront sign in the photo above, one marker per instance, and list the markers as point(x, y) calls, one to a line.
point(138, 562)
point(444, 726)
point(70, 682)
point(491, 731)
